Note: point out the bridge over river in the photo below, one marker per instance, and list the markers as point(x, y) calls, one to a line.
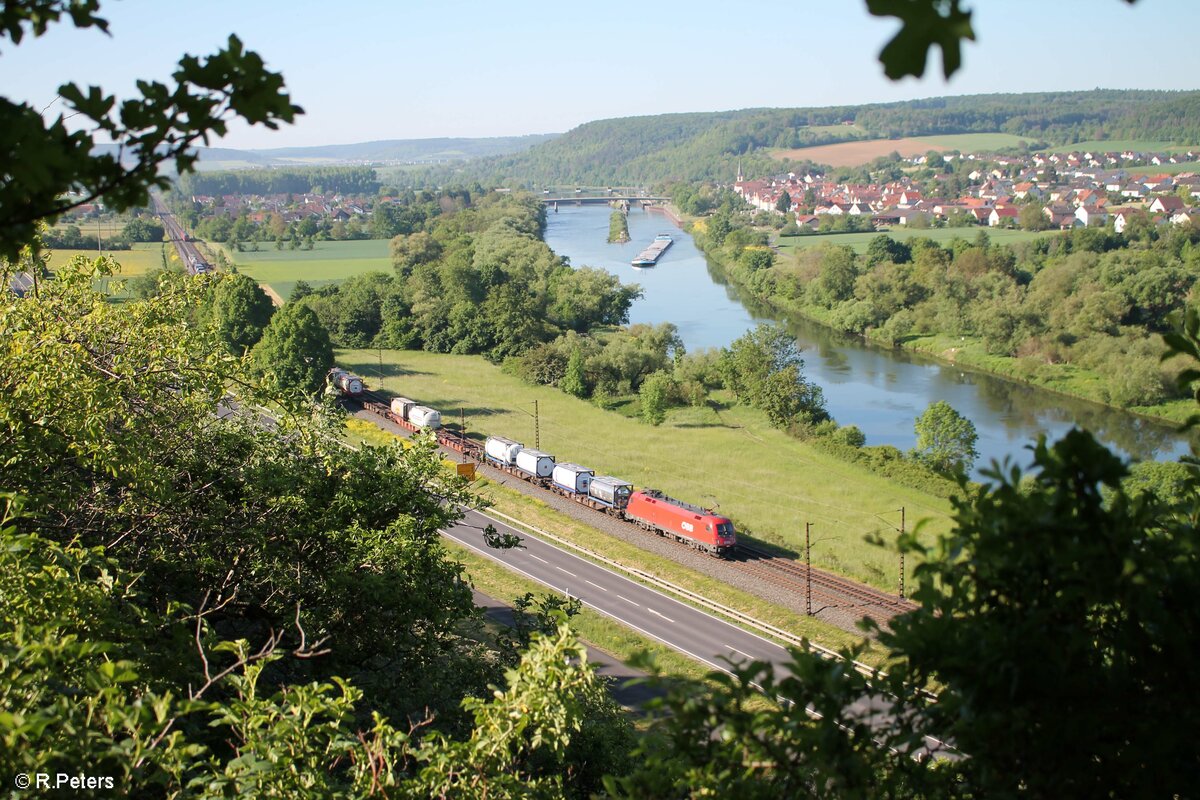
point(591, 200)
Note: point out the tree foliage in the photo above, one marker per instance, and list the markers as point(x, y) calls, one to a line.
point(294, 353)
point(763, 368)
point(240, 311)
point(47, 159)
point(945, 439)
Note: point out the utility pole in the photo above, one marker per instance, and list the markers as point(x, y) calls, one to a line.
point(462, 431)
point(537, 435)
point(807, 569)
point(901, 553)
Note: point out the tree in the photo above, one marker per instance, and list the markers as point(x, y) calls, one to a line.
point(239, 312)
point(945, 439)
point(784, 204)
point(141, 229)
point(574, 380)
point(45, 160)
point(653, 397)
point(1032, 218)
point(763, 369)
point(294, 353)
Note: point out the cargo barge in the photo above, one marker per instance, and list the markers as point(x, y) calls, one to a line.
point(649, 257)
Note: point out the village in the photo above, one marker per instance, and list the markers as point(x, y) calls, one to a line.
point(1035, 192)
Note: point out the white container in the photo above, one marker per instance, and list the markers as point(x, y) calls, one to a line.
point(401, 407)
point(346, 382)
point(503, 450)
point(572, 477)
point(535, 462)
point(610, 490)
point(425, 417)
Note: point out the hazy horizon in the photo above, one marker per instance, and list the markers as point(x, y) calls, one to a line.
point(379, 71)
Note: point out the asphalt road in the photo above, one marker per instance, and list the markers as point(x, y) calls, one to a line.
point(689, 630)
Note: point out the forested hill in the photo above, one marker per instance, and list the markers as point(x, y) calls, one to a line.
point(709, 146)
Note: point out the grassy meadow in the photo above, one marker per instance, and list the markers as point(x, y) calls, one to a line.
point(860, 241)
point(767, 482)
point(1117, 145)
point(327, 262)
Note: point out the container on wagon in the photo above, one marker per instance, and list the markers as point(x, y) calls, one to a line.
point(535, 463)
point(425, 417)
point(572, 477)
point(401, 407)
point(503, 450)
point(611, 491)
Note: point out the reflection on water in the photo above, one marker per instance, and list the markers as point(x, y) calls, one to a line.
point(880, 390)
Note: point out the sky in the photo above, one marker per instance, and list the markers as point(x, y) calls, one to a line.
point(412, 69)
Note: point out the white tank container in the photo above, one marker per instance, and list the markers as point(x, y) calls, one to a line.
point(425, 417)
point(572, 477)
point(608, 489)
point(401, 406)
point(346, 382)
point(502, 450)
point(535, 462)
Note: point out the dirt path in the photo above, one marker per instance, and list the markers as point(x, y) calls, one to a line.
point(271, 293)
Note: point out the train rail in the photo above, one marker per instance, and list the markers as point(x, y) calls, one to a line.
point(828, 591)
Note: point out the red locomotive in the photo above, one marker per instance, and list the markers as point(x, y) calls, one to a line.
point(690, 524)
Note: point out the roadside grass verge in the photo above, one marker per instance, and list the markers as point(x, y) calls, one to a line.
point(769, 483)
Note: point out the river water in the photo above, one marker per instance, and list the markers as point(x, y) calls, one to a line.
point(880, 390)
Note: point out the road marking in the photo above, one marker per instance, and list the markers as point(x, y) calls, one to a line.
point(740, 652)
point(627, 600)
point(572, 574)
point(598, 586)
point(664, 616)
point(539, 558)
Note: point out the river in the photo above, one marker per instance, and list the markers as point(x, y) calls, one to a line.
point(880, 390)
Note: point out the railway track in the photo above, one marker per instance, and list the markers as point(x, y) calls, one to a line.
point(844, 592)
point(828, 591)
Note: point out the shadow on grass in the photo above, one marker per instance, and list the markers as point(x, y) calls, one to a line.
point(371, 369)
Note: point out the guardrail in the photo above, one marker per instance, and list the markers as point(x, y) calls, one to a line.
point(698, 599)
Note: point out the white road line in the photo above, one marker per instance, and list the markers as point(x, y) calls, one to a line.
point(627, 600)
point(539, 558)
point(664, 616)
point(740, 652)
point(572, 574)
point(598, 586)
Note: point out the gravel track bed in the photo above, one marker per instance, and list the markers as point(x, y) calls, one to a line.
point(845, 618)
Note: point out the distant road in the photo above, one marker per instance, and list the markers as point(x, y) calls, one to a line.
point(189, 254)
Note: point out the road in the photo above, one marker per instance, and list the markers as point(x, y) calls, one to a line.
point(689, 630)
point(189, 254)
point(680, 626)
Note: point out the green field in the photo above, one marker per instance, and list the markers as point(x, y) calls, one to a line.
point(1117, 145)
point(769, 483)
point(972, 141)
point(1165, 169)
point(327, 262)
point(138, 261)
point(860, 241)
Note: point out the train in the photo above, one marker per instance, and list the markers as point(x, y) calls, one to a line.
point(648, 509)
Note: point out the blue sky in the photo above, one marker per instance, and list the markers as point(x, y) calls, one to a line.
point(417, 69)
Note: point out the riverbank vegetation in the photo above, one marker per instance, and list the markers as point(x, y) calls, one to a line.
point(1080, 312)
point(475, 280)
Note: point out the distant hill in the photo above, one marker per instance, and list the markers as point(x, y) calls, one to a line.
point(712, 145)
point(388, 151)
